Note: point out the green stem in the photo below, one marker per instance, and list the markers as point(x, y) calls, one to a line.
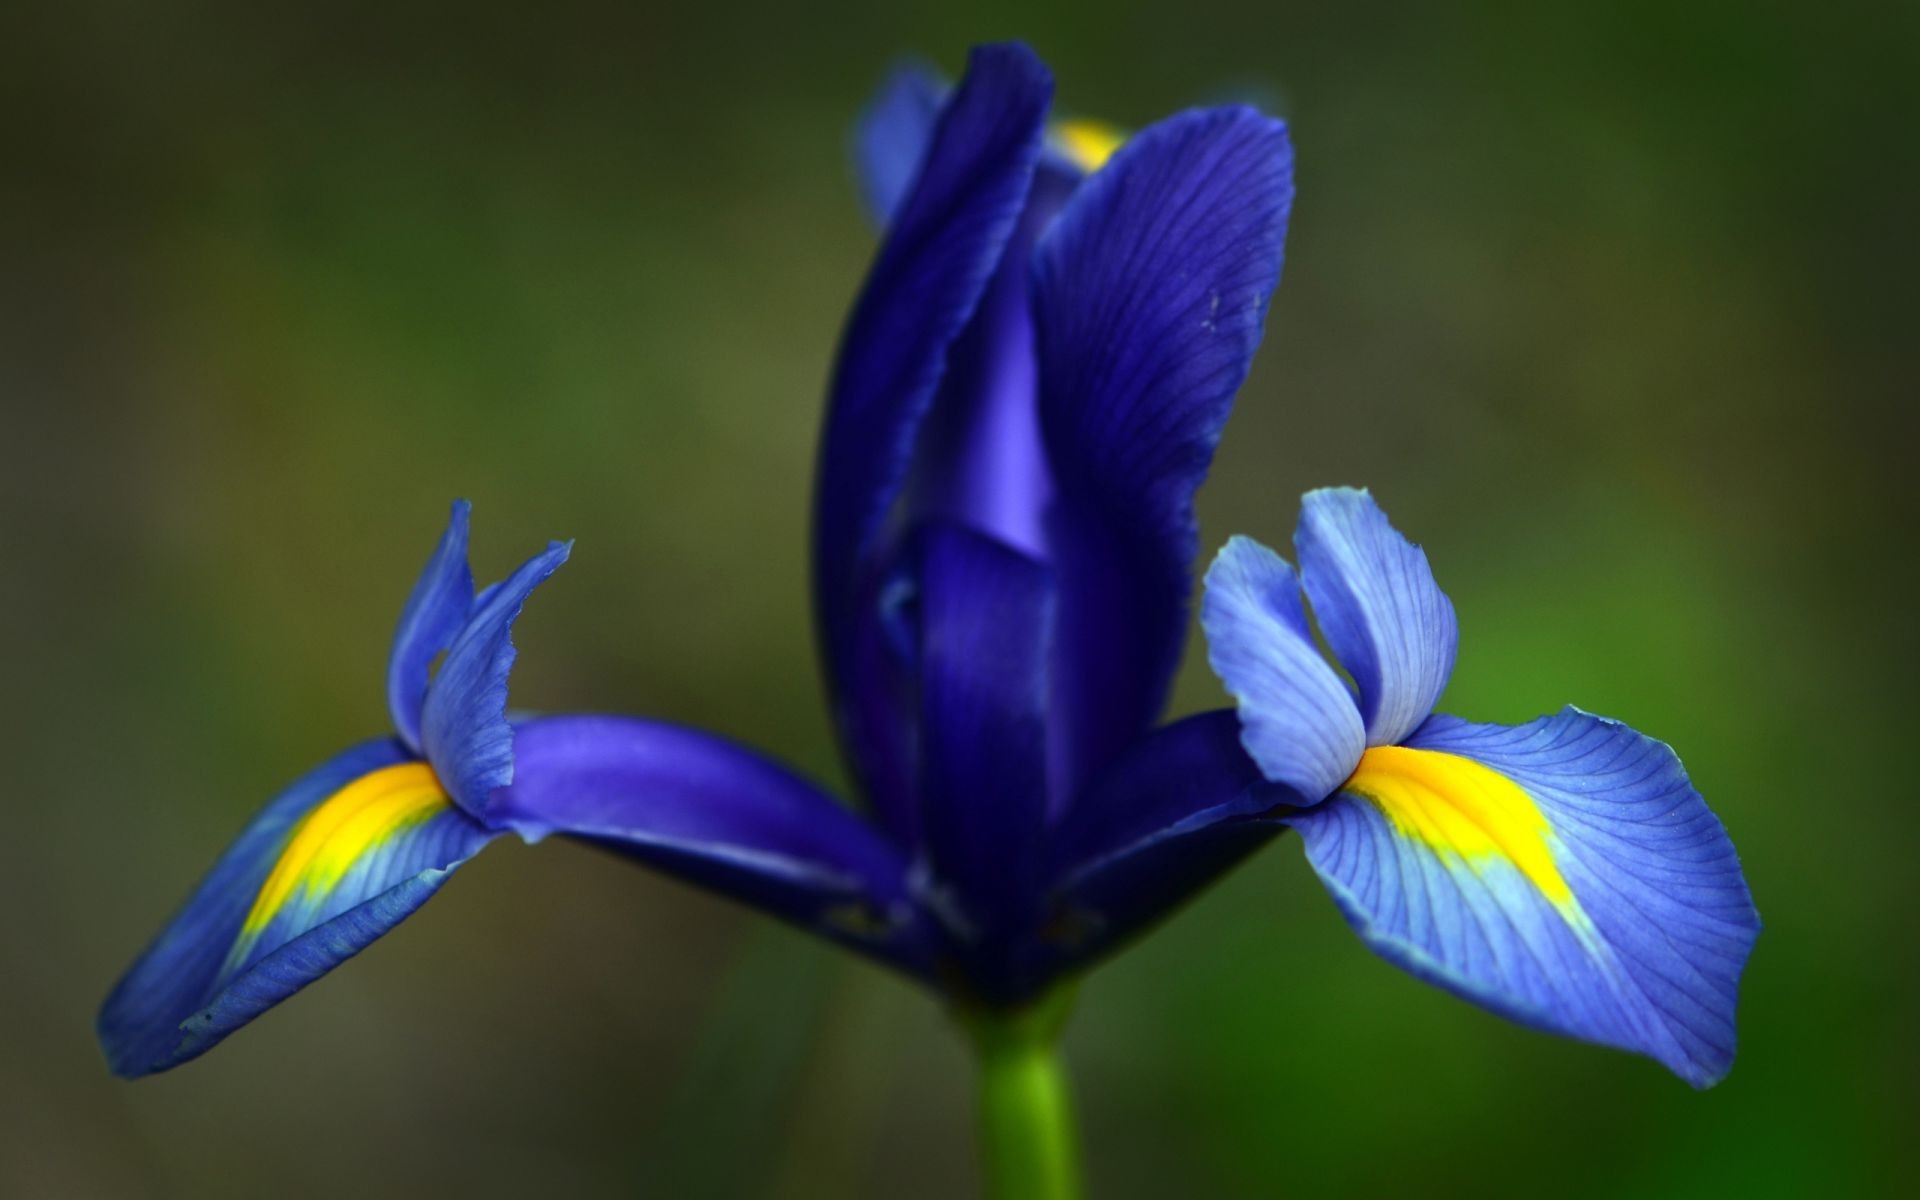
point(1028, 1145)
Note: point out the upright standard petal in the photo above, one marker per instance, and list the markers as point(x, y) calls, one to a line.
point(1388, 622)
point(1297, 718)
point(709, 811)
point(331, 864)
point(435, 610)
point(892, 136)
point(986, 616)
point(942, 248)
point(932, 269)
point(935, 264)
point(1563, 873)
point(465, 731)
point(981, 461)
point(1151, 292)
point(1171, 815)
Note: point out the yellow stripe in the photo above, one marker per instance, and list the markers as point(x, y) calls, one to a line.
point(1457, 806)
point(336, 834)
point(1088, 143)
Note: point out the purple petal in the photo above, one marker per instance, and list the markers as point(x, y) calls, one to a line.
point(1563, 873)
point(435, 610)
point(947, 237)
point(982, 462)
point(335, 861)
point(1297, 718)
point(892, 136)
point(987, 627)
point(1388, 622)
point(711, 812)
point(1151, 291)
point(465, 730)
point(1171, 815)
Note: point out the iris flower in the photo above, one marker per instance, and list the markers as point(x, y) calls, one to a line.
point(361, 841)
point(1027, 396)
point(1563, 873)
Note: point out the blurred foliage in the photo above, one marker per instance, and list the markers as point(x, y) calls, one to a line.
point(1611, 305)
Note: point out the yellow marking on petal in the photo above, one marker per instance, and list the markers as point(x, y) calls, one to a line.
point(1088, 143)
point(337, 833)
point(1457, 806)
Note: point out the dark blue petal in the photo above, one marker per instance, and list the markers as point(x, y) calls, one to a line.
point(1170, 816)
point(1298, 719)
point(1563, 873)
point(1151, 291)
point(331, 864)
point(874, 689)
point(1388, 622)
point(944, 243)
point(981, 461)
point(892, 136)
point(465, 728)
point(716, 814)
point(435, 610)
point(986, 616)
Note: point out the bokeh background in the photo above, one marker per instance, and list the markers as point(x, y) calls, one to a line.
point(1612, 306)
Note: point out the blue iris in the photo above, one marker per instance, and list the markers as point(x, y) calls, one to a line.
point(357, 844)
point(1028, 395)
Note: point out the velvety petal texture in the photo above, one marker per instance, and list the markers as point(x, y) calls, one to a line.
point(892, 135)
point(1298, 721)
point(981, 461)
point(1563, 873)
point(1151, 290)
point(939, 254)
point(709, 811)
point(434, 613)
point(335, 861)
point(987, 628)
point(947, 238)
point(1387, 621)
point(1169, 817)
point(465, 731)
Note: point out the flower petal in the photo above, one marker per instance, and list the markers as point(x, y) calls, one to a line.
point(435, 610)
point(1171, 815)
point(1297, 718)
point(1388, 622)
point(981, 461)
point(986, 616)
point(945, 241)
point(335, 861)
point(1150, 293)
point(716, 814)
point(1563, 873)
point(892, 136)
point(465, 728)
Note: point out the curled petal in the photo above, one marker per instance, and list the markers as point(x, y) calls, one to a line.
point(465, 731)
point(1388, 622)
point(947, 237)
point(434, 612)
point(1151, 290)
point(1563, 873)
point(709, 811)
point(935, 264)
point(331, 864)
point(1298, 720)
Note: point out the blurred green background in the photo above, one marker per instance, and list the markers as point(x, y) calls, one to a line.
point(1612, 308)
